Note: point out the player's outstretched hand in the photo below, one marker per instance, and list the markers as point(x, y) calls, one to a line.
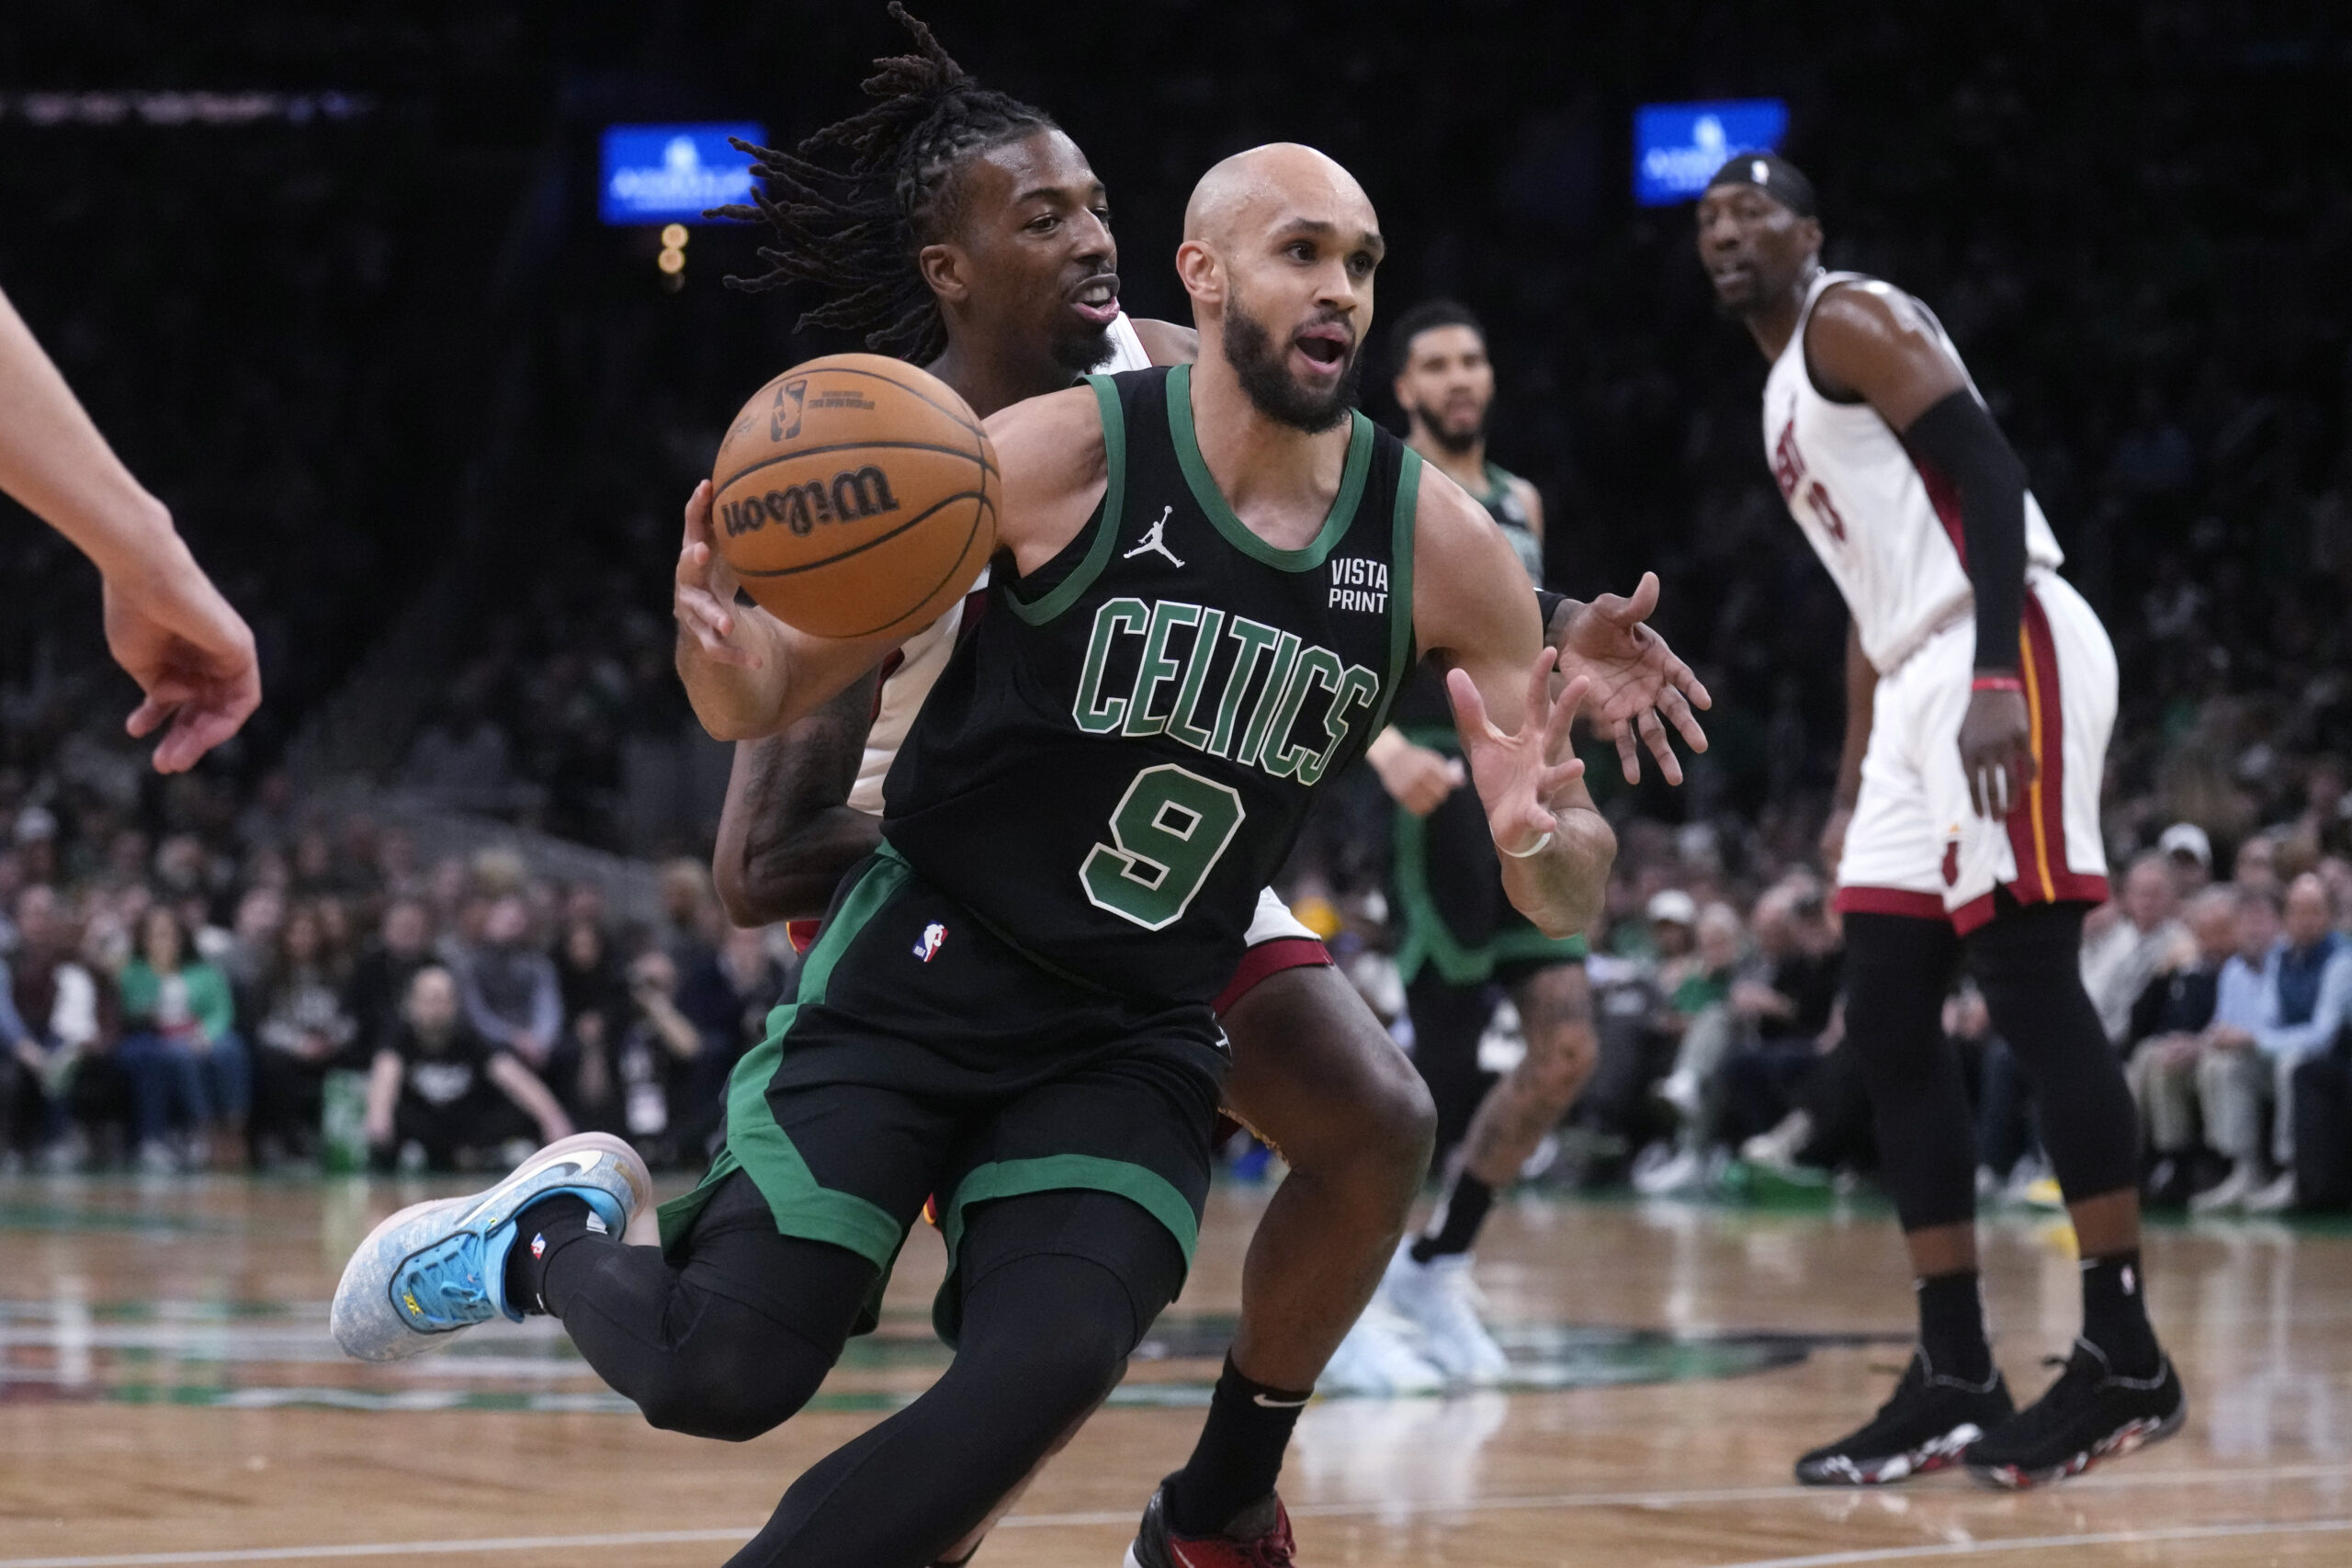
point(1522, 779)
point(1635, 677)
point(703, 596)
point(191, 653)
point(1997, 751)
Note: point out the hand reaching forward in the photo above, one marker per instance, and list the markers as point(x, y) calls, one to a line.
point(1522, 779)
point(191, 654)
point(1635, 677)
point(702, 597)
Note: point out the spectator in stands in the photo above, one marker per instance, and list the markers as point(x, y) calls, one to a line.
point(1698, 1010)
point(1792, 1010)
point(58, 1003)
point(2231, 1087)
point(513, 999)
point(440, 1096)
point(728, 1001)
point(180, 1049)
point(2191, 852)
point(2167, 1041)
point(2306, 1001)
point(2133, 937)
point(2256, 865)
point(303, 1029)
point(379, 982)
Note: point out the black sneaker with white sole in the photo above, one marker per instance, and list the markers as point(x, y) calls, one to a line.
point(1925, 1426)
point(2092, 1412)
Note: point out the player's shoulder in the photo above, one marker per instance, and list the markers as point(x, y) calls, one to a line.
point(1865, 307)
point(1165, 341)
point(1049, 430)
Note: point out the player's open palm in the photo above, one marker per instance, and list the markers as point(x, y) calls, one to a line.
point(1522, 779)
point(1635, 677)
point(703, 596)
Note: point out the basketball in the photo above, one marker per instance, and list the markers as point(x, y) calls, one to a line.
point(856, 495)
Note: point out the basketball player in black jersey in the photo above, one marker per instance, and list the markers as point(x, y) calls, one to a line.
point(1008, 1006)
point(1313, 1071)
point(1461, 945)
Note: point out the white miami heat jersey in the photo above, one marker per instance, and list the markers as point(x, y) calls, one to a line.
point(1886, 525)
point(909, 675)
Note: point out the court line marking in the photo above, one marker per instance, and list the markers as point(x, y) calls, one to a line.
point(2028, 1543)
point(1643, 1499)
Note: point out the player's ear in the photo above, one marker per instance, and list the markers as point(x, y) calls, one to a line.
point(1201, 273)
point(947, 270)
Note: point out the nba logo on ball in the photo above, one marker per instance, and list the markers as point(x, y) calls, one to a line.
point(933, 936)
point(783, 420)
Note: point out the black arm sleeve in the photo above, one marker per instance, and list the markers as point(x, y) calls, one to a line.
point(1958, 441)
point(1547, 605)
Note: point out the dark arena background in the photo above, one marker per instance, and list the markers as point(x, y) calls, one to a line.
point(343, 287)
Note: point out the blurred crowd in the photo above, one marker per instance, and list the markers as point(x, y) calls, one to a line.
point(252, 989)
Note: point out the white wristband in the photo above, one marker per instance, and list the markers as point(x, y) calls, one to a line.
point(1537, 848)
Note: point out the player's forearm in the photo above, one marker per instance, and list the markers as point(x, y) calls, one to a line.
point(1562, 887)
point(785, 836)
point(1959, 437)
point(736, 702)
point(53, 460)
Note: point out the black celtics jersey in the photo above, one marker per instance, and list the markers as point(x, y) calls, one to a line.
point(1120, 755)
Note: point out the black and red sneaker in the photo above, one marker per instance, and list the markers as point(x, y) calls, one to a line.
point(1925, 1425)
point(2092, 1412)
point(1257, 1537)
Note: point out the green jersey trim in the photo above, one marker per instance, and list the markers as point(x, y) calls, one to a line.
point(764, 1150)
point(1400, 597)
point(1212, 500)
point(1499, 482)
point(1147, 1189)
point(1106, 527)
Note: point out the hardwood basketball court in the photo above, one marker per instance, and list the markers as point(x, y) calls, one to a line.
point(168, 1395)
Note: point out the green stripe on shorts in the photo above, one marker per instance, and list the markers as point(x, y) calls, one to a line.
point(760, 1148)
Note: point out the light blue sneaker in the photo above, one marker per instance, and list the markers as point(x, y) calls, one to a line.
point(435, 1269)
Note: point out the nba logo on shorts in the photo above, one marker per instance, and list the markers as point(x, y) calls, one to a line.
point(933, 936)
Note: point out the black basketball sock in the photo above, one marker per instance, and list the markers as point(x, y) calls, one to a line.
point(1239, 1454)
point(2115, 1314)
point(1466, 1202)
point(1952, 1327)
point(541, 1232)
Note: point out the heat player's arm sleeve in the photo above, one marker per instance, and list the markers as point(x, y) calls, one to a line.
point(1959, 438)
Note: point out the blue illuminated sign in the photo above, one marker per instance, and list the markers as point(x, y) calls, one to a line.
point(1678, 146)
point(670, 174)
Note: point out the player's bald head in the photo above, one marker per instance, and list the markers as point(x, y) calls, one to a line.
point(1269, 187)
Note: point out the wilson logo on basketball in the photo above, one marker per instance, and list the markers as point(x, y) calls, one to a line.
point(851, 496)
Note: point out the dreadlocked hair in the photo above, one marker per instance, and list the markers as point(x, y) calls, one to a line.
point(855, 203)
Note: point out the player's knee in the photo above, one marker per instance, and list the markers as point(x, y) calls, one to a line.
point(730, 1405)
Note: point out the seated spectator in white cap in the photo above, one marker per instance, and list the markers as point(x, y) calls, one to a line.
point(2190, 855)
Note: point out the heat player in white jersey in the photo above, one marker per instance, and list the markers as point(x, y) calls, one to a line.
point(1981, 688)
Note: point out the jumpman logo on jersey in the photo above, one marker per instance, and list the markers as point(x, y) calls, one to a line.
point(1152, 540)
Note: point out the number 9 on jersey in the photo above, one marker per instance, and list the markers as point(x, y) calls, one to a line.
point(1166, 835)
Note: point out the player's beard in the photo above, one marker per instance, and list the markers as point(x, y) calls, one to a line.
point(1458, 441)
point(1081, 351)
point(1257, 362)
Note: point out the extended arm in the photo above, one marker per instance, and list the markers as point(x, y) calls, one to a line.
point(167, 624)
point(786, 834)
point(1868, 341)
point(1634, 676)
point(1556, 848)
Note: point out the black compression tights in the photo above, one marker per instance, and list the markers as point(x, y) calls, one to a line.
point(2027, 961)
point(1059, 1287)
